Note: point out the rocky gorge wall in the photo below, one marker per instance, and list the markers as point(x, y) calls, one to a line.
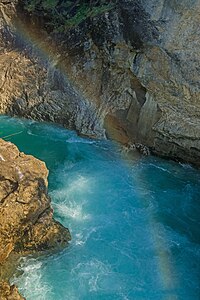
point(130, 74)
point(26, 216)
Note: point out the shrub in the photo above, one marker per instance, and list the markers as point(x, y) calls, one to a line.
point(62, 15)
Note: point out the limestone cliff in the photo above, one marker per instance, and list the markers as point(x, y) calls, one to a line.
point(130, 73)
point(26, 216)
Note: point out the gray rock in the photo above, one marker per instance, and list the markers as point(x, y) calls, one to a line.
point(131, 74)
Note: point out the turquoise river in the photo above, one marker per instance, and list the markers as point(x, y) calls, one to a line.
point(134, 223)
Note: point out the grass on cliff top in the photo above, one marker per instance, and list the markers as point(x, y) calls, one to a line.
point(62, 15)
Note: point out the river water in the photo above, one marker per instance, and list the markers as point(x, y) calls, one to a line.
point(134, 223)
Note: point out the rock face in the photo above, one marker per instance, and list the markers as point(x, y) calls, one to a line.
point(130, 74)
point(9, 292)
point(26, 217)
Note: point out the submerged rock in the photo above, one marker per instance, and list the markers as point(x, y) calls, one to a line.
point(26, 216)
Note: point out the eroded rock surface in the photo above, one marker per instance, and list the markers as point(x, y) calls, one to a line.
point(26, 216)
point(131, 74)
point(8, 292)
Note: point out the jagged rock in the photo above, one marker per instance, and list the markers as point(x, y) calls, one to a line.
point(130, 74)
point(26, 216)
point(8, 292)
point(144, 150)
point(131, 147)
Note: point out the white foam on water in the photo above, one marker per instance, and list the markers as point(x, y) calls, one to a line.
point(186, 166)
point(31, 283)
point(89, 273)
point(98, 277)
point(75, 139)
point(72, 210)
point(29, 132)
point(128, 257)
point(160, 168)
point(79, 184)
point(81, 238)
point(54, 133)
point(70, 200)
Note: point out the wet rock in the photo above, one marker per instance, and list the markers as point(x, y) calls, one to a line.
point(8, 292)
point(26, 215)
point(144, 150)
point(131, 147)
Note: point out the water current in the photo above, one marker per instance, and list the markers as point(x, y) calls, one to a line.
point(134, 223)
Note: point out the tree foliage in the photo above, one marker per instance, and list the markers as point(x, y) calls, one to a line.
point(62, 14)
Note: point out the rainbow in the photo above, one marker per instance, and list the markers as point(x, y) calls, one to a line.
point(48, 48)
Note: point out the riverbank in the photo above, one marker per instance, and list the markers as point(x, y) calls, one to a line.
point(26, 216)
point(125, 73)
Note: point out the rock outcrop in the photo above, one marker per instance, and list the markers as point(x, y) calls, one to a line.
point(8, 292)
point(26, 216)
point(130, 74)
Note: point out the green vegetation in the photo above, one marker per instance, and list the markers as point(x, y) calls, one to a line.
point(61, 15)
